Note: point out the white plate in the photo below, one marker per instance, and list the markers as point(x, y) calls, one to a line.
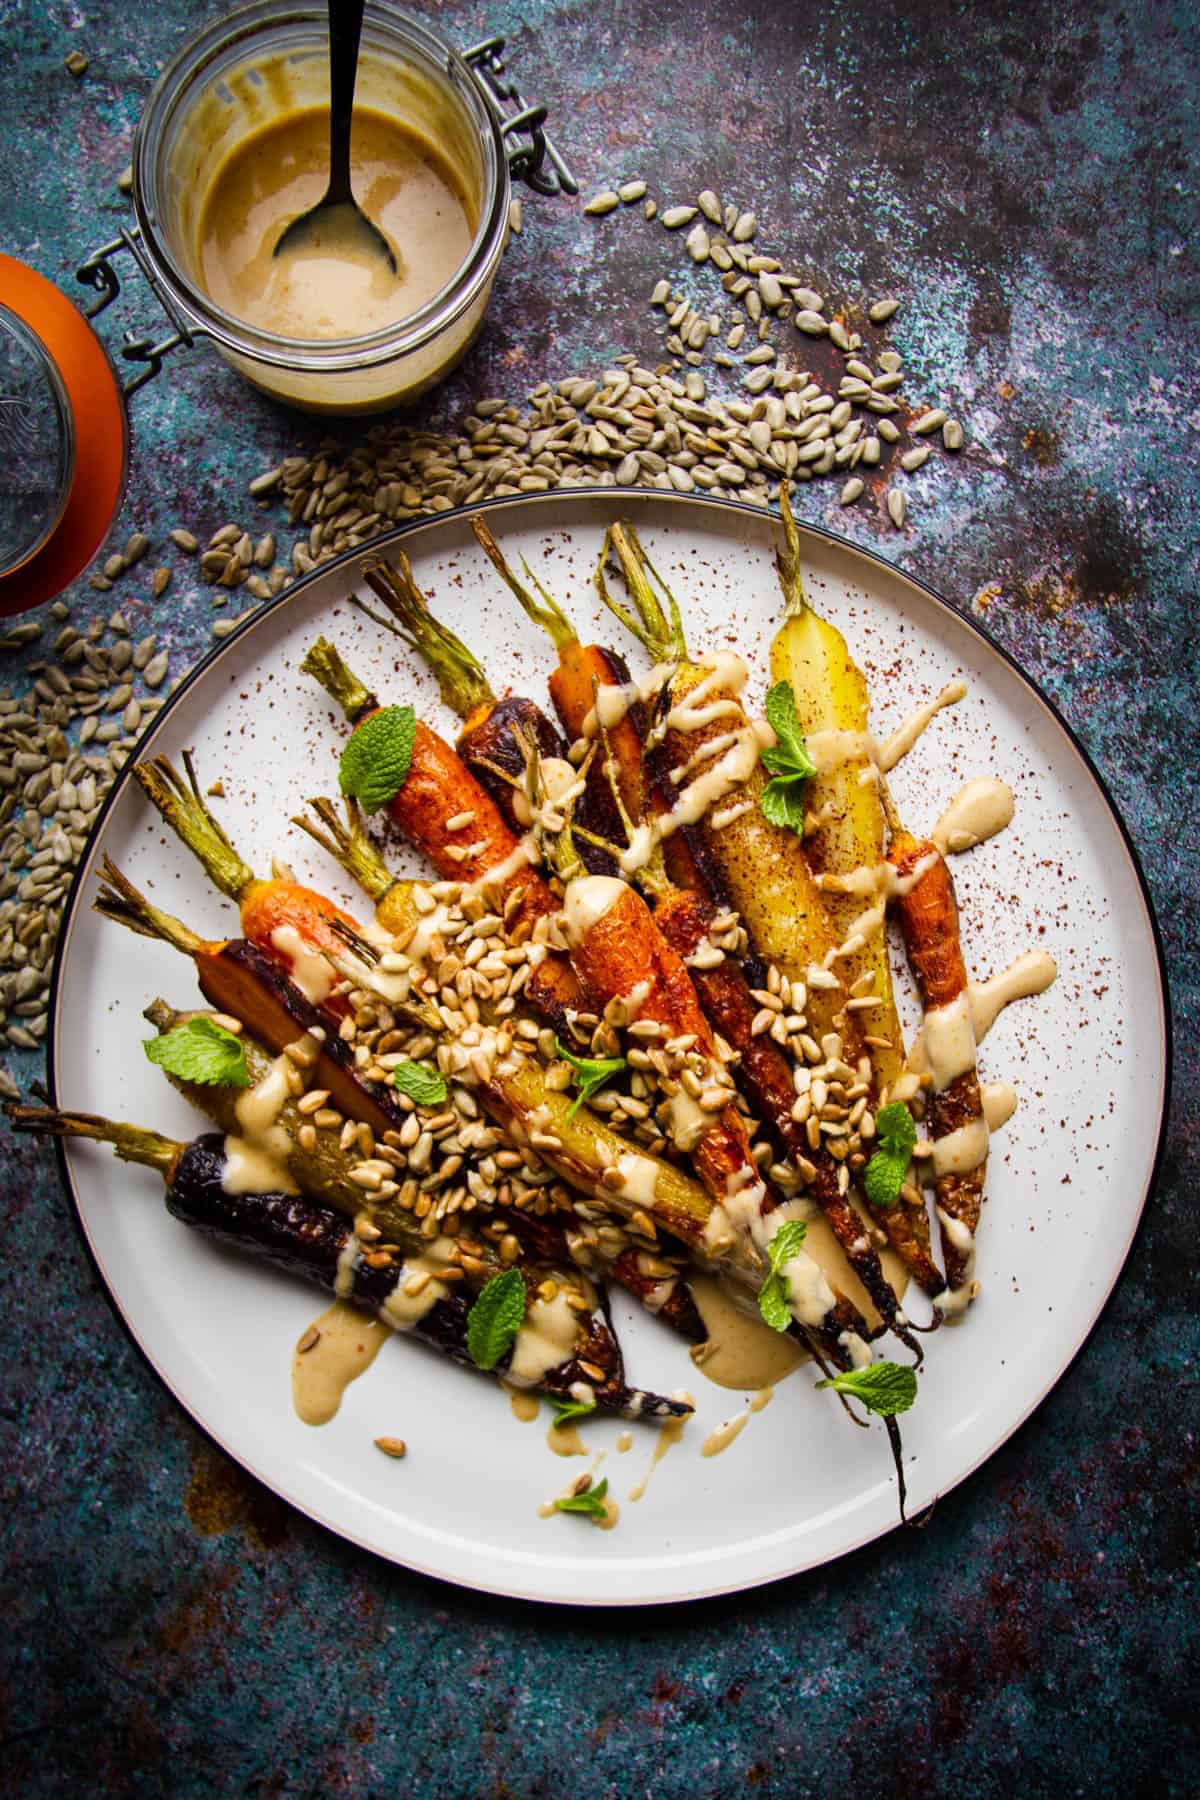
point(1067, 1180)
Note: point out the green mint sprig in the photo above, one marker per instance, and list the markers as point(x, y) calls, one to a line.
point(495, 1319)
point(202, 1051)
point(787, 761)
point(567, 1410)
point(884, 1175)
point(886, 1388)
point(591, 1501)
point(375, 763)
point(774, 1296)
point(589, 1073)
point(422, 1084)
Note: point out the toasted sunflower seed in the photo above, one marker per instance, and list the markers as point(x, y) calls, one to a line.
point(896, 508)
point(675, 216)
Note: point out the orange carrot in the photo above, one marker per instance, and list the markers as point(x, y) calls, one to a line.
point(928, 914)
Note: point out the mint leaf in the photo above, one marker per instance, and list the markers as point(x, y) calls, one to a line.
point(895, 1131)
point(375, 763)
point(886, 1388)
point(591, 1501)
point(883, 1178)
point(782, 800)
point(884, 1175)
point(201, 1051)
point(495, 1319)
point(421, 1083)
point(774, 1296)
point(590, 1073)
point(782, 803)
point(566, 1410)
point(790, 756)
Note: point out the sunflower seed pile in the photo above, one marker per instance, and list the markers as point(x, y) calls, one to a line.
point(62, 742)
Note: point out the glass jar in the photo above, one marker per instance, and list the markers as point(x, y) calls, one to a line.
point(272, 58)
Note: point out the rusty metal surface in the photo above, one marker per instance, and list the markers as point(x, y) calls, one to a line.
point(1025, 180)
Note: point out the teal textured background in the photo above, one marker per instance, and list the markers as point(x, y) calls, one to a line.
point(1025, 178)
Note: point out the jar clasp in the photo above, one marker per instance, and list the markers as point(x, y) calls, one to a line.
point(529, 147)
point(98, 273)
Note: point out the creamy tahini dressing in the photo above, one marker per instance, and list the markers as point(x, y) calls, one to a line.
point(903, 739)
point(724, 1435)
point(949, 1039)
point(331, 287)
point(961, 1151)
point(310, 969)
point(669, 1433)
point(585, 903)
point(741, 1350)
point(347, 1345)
point(256, 1156)
point(977, 812)
point(349, 1257)
point(561, 783)
point(1026, 976)
point(544, 1342)
point(402, 1310)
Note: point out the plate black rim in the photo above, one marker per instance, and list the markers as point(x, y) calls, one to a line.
point(617, 496)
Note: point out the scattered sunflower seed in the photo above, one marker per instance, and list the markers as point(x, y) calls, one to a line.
point(603, 202)
point(675, 216)
point(896, 508)
point(952, 435)
point(516, 217)
point(629, 191)
point(710, 206)
point(851, 491)
point(929, 421)
point(882, 311)
point(913, 459)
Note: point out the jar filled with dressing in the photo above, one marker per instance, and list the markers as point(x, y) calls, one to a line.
point(234, 144)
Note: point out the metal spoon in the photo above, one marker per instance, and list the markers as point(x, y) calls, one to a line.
point(337, 216)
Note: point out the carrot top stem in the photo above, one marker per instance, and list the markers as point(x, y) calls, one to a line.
point(119, 899)
point(460, 676)
point(787, 561)
point(325, 665)
point(131, 1142)
point(188, 814)
point(544, 610)
point(660, 631)
point(349, 845)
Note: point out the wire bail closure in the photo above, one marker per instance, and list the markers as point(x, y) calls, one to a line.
point(98, 273)
point(527, 160)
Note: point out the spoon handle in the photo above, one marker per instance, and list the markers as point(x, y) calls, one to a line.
point(345, 28)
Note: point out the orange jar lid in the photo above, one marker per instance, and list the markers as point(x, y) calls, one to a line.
point(64, 439)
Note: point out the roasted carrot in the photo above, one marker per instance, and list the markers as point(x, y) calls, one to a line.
point(928, 913)
point(288, 921)
point(495, 732)
point(317, 1244)
point(842, 798)
point(243, 981)
point(482, 850)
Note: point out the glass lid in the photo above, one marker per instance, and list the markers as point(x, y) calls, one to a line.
point(37, 448)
